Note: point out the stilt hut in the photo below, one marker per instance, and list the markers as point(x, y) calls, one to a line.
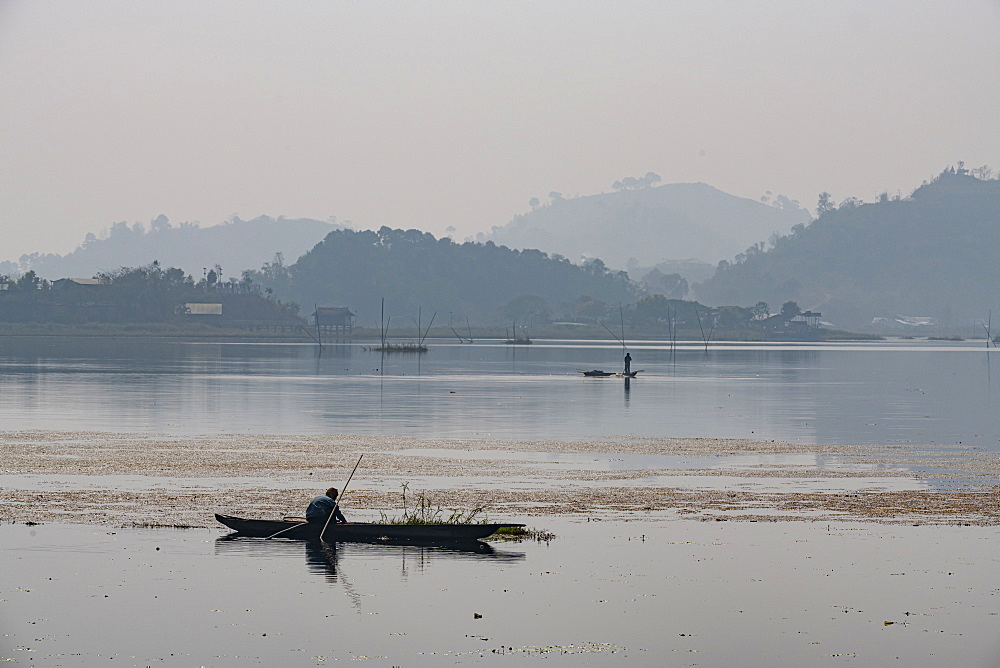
point(334, 321)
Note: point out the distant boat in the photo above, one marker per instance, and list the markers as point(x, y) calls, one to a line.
point(597, 373)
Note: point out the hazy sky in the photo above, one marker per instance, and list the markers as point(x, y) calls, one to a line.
point(437, 114)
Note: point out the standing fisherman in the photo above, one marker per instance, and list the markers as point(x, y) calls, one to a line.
point(628, 363)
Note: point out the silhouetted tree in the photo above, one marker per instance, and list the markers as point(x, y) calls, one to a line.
point(673, 286)
point(789, 310)
point(824, 204)
point(633, 183)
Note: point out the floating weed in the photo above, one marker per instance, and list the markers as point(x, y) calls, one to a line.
point(161, 525)
point(582, 648)
point(523, 533)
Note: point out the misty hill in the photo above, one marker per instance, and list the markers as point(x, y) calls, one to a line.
point(235, 245)
point(411, 270)
point(932, 254)
point(648, 225)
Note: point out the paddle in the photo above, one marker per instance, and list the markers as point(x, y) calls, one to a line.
point(337, 502)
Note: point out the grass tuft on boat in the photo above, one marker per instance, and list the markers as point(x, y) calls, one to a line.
point(425, 511)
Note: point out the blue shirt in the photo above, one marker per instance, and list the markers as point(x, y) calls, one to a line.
point(320, 507)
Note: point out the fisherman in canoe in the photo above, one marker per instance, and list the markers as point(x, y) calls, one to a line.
point(321, 507)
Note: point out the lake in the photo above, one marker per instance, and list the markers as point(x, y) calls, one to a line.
point(857, 393)
point(637, 586)
point(602, 593)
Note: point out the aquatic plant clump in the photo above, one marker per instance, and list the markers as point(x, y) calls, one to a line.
point(523, 533)
point(425, 512)
point(400, 348)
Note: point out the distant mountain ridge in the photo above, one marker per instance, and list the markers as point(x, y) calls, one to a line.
point(649, 225)
point(931, 254)
point(235, 245)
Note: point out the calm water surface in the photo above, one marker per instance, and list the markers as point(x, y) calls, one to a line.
point(654, 591)
point(602, 593)
point(886, 392)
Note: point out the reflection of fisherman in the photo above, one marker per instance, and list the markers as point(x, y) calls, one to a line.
point(628, 362)
point(321, 507)
point(321, 558)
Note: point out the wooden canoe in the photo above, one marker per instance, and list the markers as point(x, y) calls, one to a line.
point(297, 529)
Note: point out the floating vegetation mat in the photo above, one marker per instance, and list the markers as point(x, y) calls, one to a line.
point(150, 480)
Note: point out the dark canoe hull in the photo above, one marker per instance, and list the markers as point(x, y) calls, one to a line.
point(359, 531)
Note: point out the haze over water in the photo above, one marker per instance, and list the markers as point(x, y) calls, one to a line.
point(873, 393)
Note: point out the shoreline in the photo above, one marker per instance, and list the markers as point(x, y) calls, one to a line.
point(148, 480)
point(202, 332)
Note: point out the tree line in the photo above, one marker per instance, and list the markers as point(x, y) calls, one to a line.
point(147, 294)
point(411, 270)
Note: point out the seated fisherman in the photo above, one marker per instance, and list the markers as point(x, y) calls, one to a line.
point(321, 507)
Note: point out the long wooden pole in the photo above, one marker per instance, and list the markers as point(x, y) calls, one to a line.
point(427, 331)
point(621, 313)
point(673, 348)
point(612, 333)
point(339, 497)
point(294, 526)
point(319, 332)
point(700, 327)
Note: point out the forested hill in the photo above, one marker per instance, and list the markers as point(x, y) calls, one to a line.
point(931, 254)
point(649, 224)
point(412, 270)
point(234, 245)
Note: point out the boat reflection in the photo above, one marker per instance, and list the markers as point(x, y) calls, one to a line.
point(325, 558)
